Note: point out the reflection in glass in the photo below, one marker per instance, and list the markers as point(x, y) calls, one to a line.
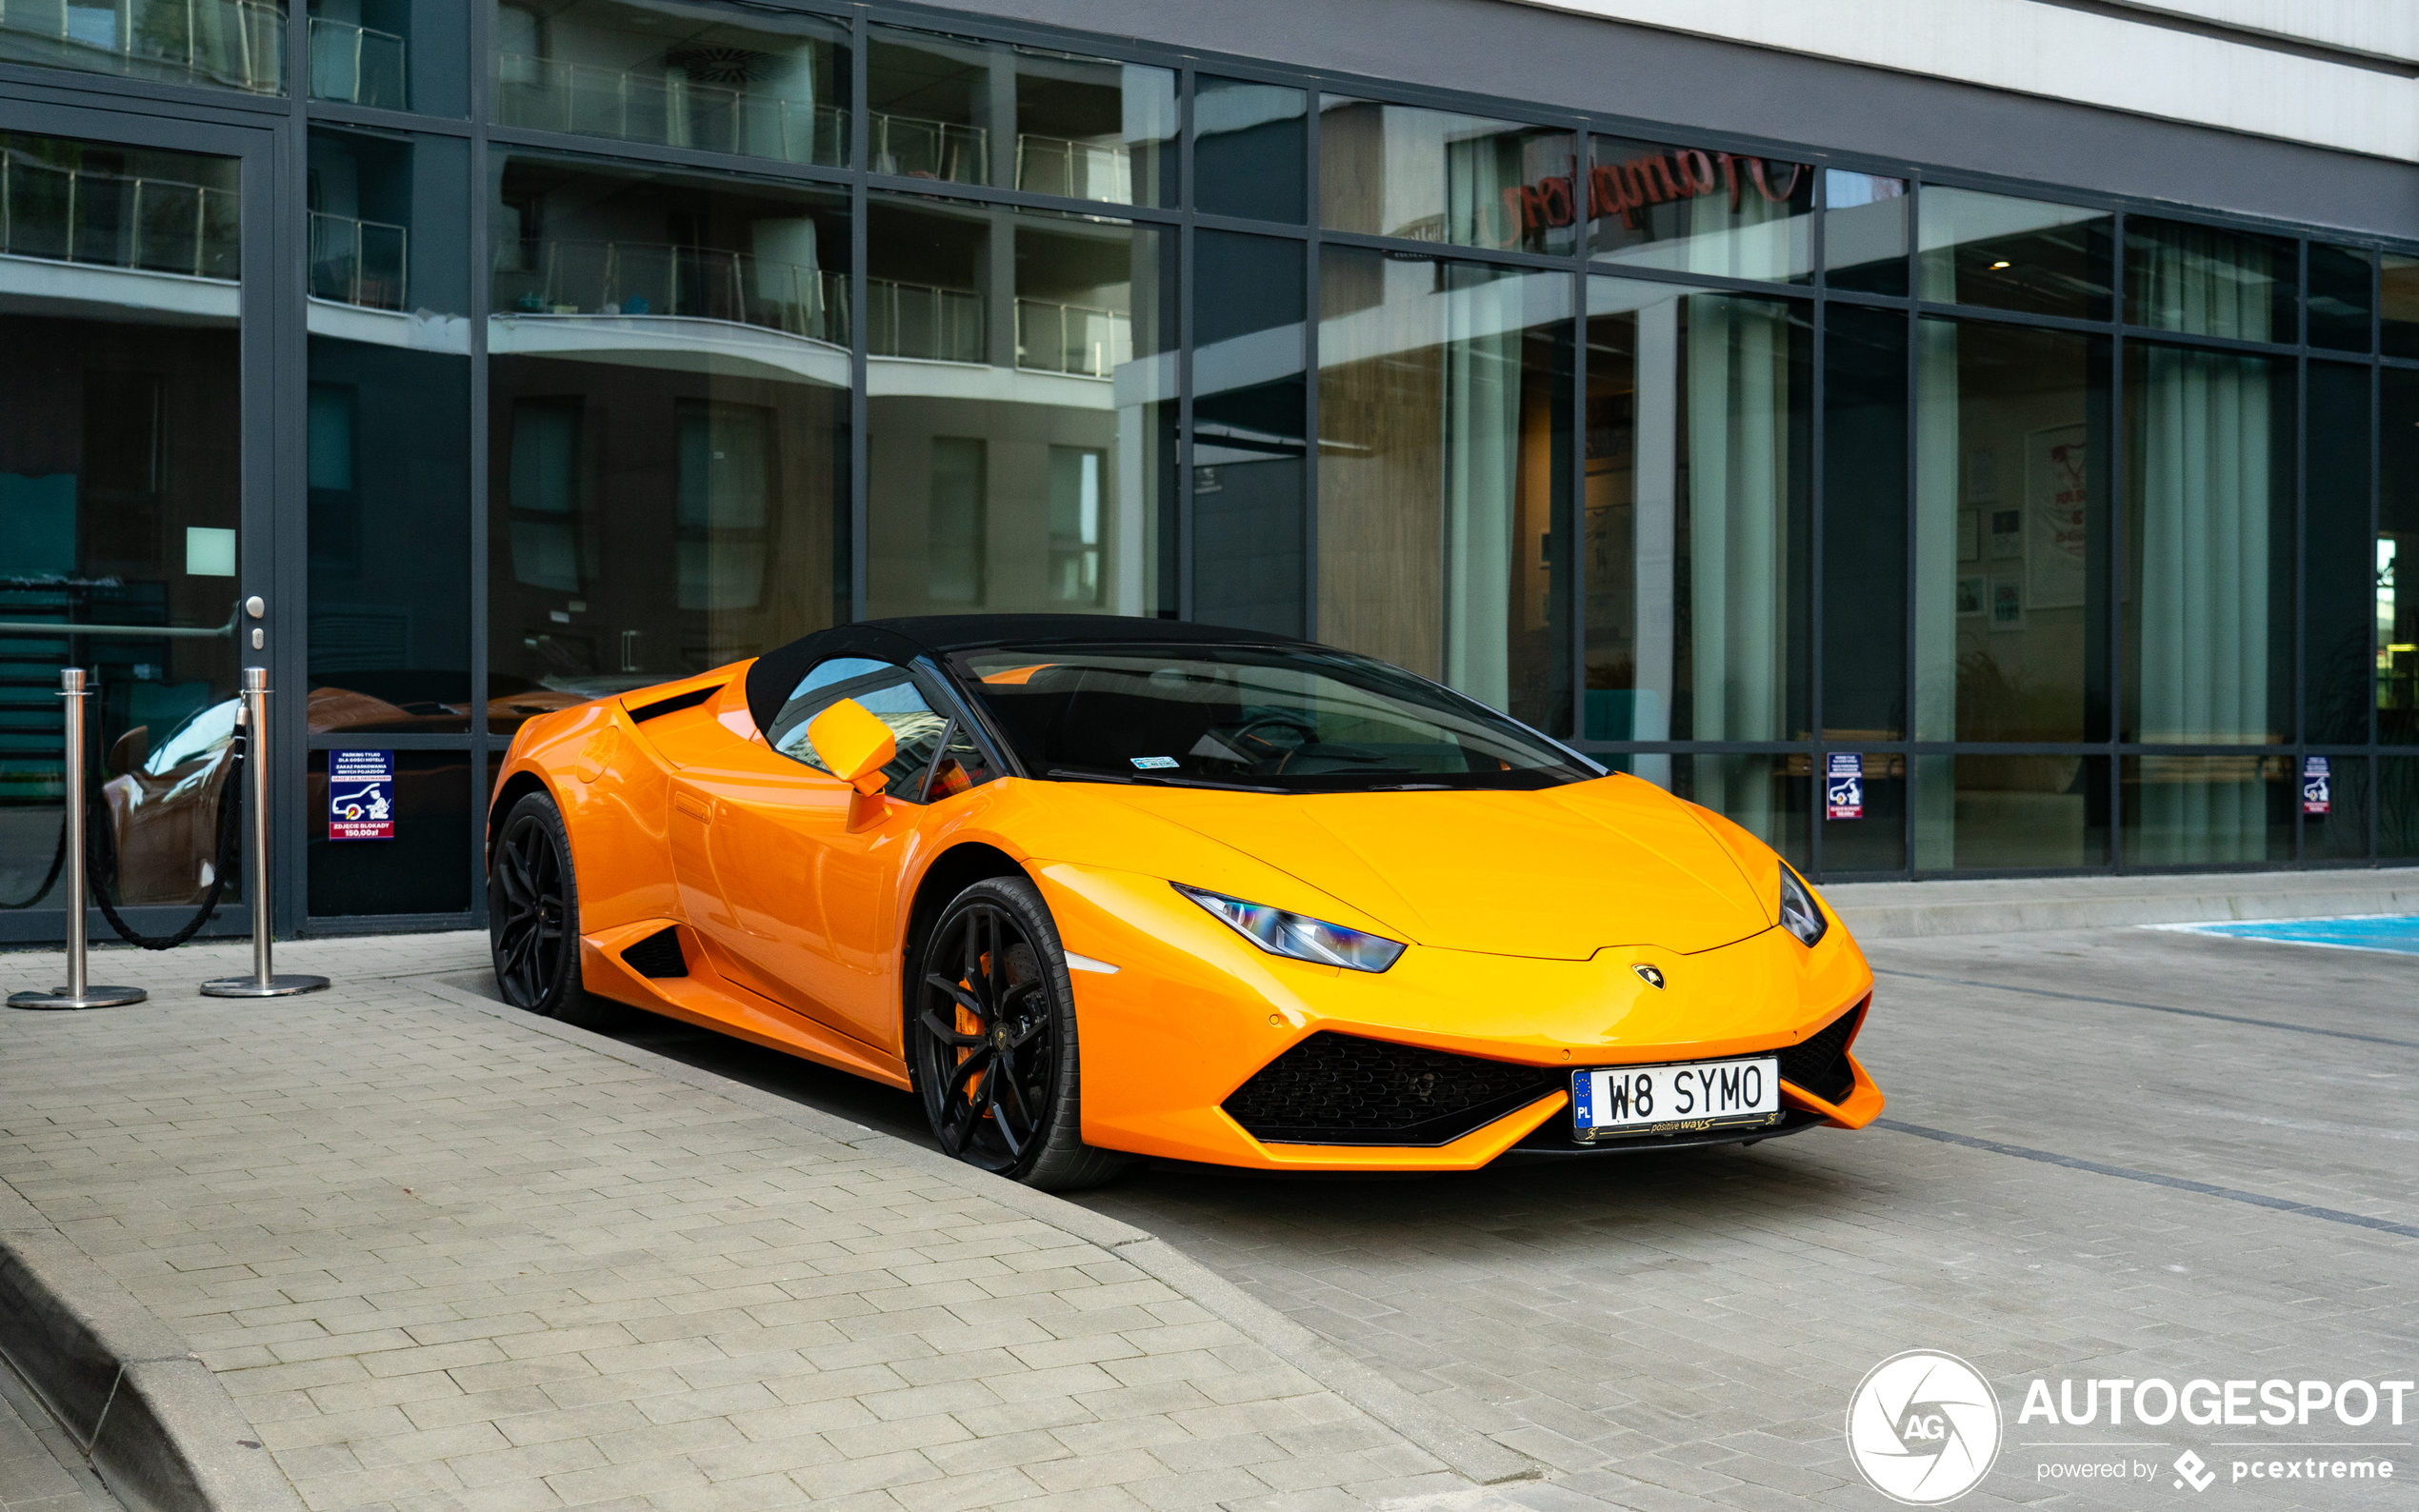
point(1865, 233)
point(2339, 597)
point(1692, 210)
point(2011, 813)
point(120, 489)
point(424, 868)
point(2397, 807)
point(1250, 147)
point(2342, 832)
point(2396, 581)
point(1049, 123)
point(1022, 410)
point(2207, 810)
point(2206, 281)
point(2009, 253)
point(1699, 413)
point(2398, 289)
point(1877, 842)
point(237, 44)
point(2208, 532)
point(1437, 176)
point(1248, 391)
point(668, 411)
point(2010, 535)
point(2340, 299)
point(388, 420)
point(1864, 525)
point(719, 78)
point(1443, 473)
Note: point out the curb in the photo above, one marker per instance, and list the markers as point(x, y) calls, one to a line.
point(2218, 899)
point(158, 1427)
point(1470, 1454)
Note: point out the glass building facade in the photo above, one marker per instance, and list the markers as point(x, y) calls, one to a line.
point(523, 351)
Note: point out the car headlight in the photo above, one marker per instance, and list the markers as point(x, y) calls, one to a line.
point(1799, 915)
point(1299, 936)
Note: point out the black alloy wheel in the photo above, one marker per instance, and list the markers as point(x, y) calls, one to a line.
point(533, 912)
point(992, 1027)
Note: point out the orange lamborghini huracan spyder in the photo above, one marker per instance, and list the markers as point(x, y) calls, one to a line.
point(1097, 888)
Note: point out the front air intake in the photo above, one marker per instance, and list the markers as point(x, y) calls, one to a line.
point(1342, 1089)
point(1818, 1063)
point(658, 955)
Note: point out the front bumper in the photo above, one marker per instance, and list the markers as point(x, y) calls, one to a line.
point(1193, 1011)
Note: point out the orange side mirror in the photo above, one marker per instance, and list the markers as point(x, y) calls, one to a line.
point(853, 745)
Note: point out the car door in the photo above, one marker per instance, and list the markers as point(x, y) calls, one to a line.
point(811, 902)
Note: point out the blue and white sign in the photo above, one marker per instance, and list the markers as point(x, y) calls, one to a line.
point(361, 795)
point(1844, 786)
point(2318, 784)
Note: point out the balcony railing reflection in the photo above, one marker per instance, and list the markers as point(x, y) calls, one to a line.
point(665, 107)
point(356, 64)
point(1079, 168)
point(1078, 339)
point(921, 321)
point(76, 215)
point(240, 44)
point(913, 146)
point(356, 262)
point(652, 278)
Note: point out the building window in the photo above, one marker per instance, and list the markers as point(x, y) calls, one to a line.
point(1693, 210)
point(2006, 253)
point(1444, 473)
point(1439, 176)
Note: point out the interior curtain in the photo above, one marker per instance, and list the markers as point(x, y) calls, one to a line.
point(1737, 414)
point(1481, 441)
point(2204, 485)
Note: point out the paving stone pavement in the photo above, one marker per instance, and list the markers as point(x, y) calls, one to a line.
point(40, 1469)
point(1685, 1331)
point(449, 1263)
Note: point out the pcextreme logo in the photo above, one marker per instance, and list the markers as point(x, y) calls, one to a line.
point(1923, 1427)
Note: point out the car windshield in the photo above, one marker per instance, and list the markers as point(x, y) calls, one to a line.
point(1247, 716)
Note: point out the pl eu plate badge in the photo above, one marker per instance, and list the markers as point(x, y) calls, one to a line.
point(1844, 786)
point(361, 795)
point(2318, 784)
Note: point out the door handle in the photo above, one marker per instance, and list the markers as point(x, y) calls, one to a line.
point(694, 807)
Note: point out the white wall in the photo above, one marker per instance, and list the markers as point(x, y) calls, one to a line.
point(2097, 58)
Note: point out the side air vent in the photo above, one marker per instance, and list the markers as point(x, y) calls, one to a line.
point(1818, 1063)
point(1342, 1089)
point(658, 955)
point(672, 705)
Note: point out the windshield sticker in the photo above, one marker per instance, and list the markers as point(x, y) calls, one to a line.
point(1155, 763)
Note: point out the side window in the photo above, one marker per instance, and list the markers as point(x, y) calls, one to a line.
point(931, 751)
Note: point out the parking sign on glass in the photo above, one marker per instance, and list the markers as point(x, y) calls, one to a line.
point(2318, 783)
point(361, 795)
point(1844, 786)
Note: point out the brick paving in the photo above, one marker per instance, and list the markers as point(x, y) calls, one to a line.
point(1684, 1332)
point(448, 1262)
point(601, 1284)
point(41, 1469)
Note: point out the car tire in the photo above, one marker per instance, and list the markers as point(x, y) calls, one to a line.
point(534, 915)
point(991, 986)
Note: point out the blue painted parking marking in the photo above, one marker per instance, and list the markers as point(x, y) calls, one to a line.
point(2396, 933)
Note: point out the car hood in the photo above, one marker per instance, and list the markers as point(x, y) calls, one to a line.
point(1558, 873)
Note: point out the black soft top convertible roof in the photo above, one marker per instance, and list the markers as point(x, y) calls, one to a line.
point(776, 674)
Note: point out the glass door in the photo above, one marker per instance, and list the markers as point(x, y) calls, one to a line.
point(131, 471)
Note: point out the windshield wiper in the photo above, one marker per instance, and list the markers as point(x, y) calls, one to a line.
point(1136, 779)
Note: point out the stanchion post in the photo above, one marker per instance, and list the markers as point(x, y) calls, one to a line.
point(264, 982)
point(79, 992)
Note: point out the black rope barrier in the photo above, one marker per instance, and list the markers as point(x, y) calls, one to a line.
point(103, 863)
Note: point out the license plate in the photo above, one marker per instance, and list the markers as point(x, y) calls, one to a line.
point(1684, 1098)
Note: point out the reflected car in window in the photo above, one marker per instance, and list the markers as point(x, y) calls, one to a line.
point(1097, 888)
